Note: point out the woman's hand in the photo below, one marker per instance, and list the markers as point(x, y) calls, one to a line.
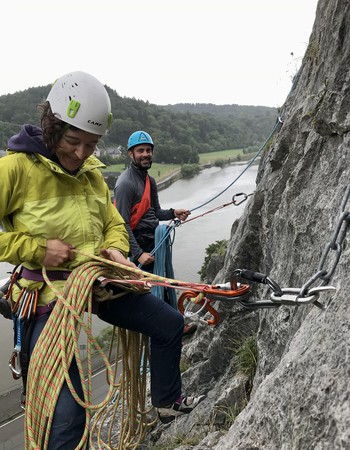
point(116, 256)
point(57, 252)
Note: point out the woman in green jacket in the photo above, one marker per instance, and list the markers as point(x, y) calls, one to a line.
point(55, 208)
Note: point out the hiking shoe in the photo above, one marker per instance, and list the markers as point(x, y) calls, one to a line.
point(185, 406)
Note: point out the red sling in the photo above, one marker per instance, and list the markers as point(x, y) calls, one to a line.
point(138, 210)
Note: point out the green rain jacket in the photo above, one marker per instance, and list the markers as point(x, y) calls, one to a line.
point(39, 200)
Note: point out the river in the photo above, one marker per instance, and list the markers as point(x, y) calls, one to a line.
point(192, 238)
point(190, 242)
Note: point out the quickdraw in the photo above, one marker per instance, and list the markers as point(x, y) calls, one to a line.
point(24, 309)
point(241, 293)
point(232, 202)
point(203, 295)
point(228, 291)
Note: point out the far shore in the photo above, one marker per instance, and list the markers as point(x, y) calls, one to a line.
point(166, 174)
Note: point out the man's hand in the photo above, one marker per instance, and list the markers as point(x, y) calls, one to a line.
point(57, 252)
point(181, 214)
point(146, 258)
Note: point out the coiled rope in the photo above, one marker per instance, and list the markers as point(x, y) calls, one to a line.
point(58, 344)
point(163, 263)
point(53, 354)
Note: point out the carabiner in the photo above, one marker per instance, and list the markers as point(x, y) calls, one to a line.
point(16, 372)
point(244, 199)
point(203, 301)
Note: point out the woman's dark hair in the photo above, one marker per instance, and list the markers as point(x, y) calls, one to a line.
point(53, 128)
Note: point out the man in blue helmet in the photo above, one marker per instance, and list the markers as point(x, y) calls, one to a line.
point(136, 198)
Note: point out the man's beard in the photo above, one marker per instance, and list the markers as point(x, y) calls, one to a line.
point(143, 167)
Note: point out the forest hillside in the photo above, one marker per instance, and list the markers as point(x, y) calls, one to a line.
point(179, 135)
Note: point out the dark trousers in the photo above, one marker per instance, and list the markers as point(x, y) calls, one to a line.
point(145, 314)
point(69, 418)
point(152, 317)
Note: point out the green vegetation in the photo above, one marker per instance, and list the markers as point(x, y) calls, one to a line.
point(189, 170)
point(158, 171)
point(229, 414)
point(246, 351)
point(247, 354)
point(211, 157)
point(184, 364)
point(181, 132)
point(219, 248)
point(180, 440)
point(105, 337)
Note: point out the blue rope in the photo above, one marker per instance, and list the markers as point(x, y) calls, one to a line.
point(163, 265)
point(277, 125)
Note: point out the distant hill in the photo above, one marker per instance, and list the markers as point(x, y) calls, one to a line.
point(180, 131)
point(236, 111)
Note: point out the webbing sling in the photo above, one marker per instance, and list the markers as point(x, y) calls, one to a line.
point(138, 210)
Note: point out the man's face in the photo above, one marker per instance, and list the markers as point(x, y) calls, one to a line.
point(142, 156)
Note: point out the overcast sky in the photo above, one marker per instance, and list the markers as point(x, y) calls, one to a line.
point(163, 51)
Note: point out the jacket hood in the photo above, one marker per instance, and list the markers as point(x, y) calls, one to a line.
point(29, 140)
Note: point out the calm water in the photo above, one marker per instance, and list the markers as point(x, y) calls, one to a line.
point(192, 238)
point(190, 242)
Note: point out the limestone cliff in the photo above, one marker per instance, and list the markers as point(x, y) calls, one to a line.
point(301, 396)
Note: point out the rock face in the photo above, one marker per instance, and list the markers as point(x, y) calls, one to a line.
point(301, 395)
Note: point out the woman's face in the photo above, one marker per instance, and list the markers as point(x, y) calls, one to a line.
point(74, 147)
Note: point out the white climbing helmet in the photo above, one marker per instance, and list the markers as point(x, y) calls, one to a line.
point(81, 100)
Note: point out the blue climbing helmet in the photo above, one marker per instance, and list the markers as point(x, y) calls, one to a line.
point(139, 138)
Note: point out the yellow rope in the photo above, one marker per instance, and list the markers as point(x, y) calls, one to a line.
point(53, 354)
point(124, 421)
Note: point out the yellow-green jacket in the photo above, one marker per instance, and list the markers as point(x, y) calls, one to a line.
point(41, 201)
